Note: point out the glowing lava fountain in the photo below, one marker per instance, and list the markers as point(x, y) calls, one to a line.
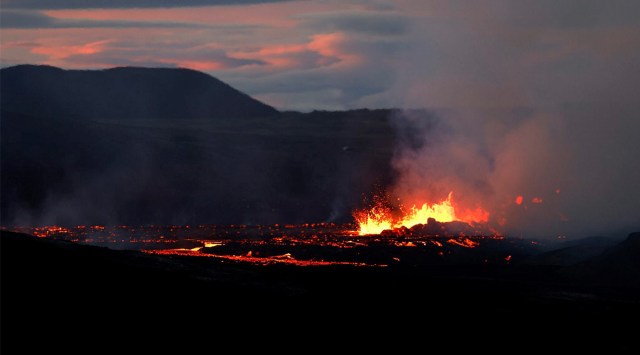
point(380, 217)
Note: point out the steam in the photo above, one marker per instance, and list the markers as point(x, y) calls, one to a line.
point(537, 99)
point(577, 169)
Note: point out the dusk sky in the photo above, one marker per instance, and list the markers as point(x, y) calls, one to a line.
point(331, 54)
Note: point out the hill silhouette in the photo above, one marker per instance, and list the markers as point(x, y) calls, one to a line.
point(617, 265)
point(175, 146)
point(123, 93)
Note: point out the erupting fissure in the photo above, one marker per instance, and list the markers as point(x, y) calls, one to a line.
point(380, 217)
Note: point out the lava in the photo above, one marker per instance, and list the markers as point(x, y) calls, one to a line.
point(286, 258)
point(309, 244)
point(380, 218)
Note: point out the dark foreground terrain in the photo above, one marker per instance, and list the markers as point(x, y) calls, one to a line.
point(58, 295)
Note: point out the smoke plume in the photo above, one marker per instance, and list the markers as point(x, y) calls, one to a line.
point(540, 118)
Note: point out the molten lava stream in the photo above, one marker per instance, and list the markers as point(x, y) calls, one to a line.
point(380, 218)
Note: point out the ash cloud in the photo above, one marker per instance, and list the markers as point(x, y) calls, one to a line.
point(576, 170)
point(544, 108)
point(21, 19)
point(375, 23)
point(128, 4)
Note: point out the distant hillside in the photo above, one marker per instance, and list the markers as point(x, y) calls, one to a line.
point(575, 251)
point(174, 146)
point(123, 93)
point(618, 265)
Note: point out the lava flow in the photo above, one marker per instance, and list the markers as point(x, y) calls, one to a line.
point(380, 217)
point(309, 244)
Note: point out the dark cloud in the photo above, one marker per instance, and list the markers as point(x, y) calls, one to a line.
point(24, 19)
point(328, 88)
point(571, 13)
point(31, 19)
point(126, 4)
point(342, 82)
point(369, 22)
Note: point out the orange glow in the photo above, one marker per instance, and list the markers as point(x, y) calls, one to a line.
point(442, 212)
point(464, 242)
point(282, 49)
point(519, 200)
point(280, 56)
point(374, 221)
point(478, 216)
point(286, 258)
point(48, 231)
point(62, 51)
point(239, 243)
point(328, 47)
point(327, 44)
point(201, 65)
point(536, 200)
point(380, 218)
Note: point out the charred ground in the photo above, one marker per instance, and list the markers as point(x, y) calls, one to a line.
point(53, 289)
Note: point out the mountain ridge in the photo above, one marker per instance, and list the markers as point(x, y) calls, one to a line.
point(123, 93)
point(128, 152)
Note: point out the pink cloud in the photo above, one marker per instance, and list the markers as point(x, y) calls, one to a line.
point(19, 44)
point(58, 52)
point(107, 47)
point(323, 49)
point(202, 65)
point(276, 43)
point(327, 44)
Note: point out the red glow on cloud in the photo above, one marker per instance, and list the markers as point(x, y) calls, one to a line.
point(279, 49)
point(201, 65)
point(57, 52)
point(327, 44)
point(285, 47)
point(277, 56)
point(537, 200)
point(328, 47)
